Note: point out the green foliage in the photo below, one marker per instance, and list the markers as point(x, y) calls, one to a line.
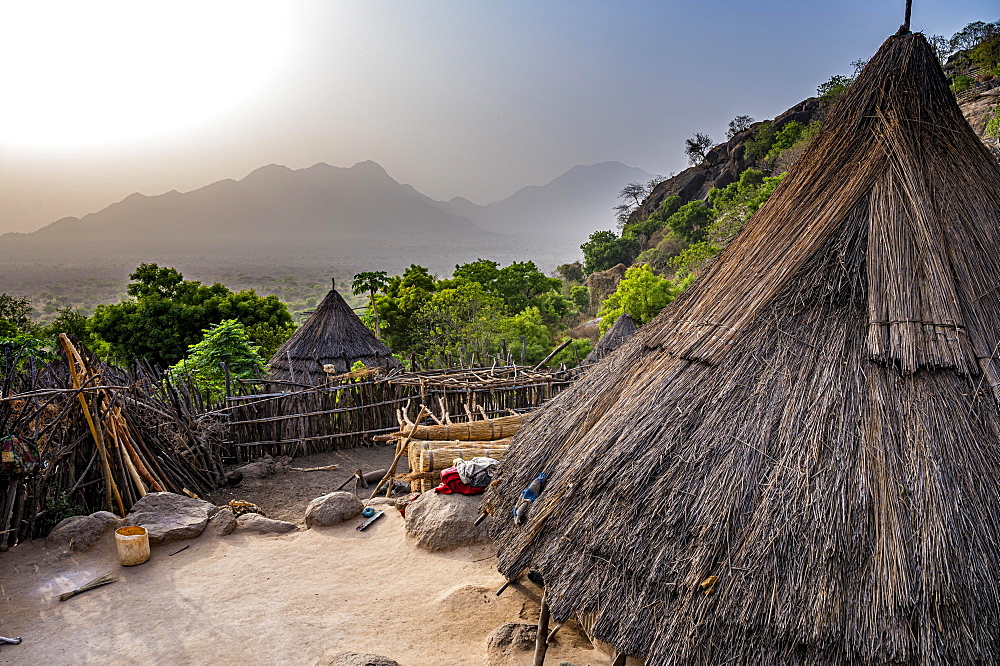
point(641, 293)
point(457, 319)
point(226, 342)
point(960, 83)
point(580, 296)
point(992, 129)
point(58, 507)
point(605, 249)
point(731, 207)
point(16, 311)
point(690, 220)
point(987, 53)
point(656, 220)
point(659, 257)
point(973, 34)
point(371, 282)
point(572, 272)
point(529, 324)
point(167, 314)
point(758, 146)
point(831, 90)
point(793, 134)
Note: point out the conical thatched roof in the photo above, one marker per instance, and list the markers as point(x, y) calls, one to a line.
point(798, 462)
point(622, 329)
point(334, 335)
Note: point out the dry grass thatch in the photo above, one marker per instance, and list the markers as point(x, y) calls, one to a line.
point(620, 331)
point(814, 423)
point(333, 335)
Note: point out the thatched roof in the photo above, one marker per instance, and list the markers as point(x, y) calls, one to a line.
point(621, 330)
point(814, 422)
point(333, 335)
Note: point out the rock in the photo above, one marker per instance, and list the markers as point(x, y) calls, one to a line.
point(443, 522)
point(381, 501)
point(332, 509)
point(254, 470)
point(356, 659)
point(255, 522)
point(81, 532)
point(222, 523)
point(511, 643)
point(604, 283)
point(169, 517)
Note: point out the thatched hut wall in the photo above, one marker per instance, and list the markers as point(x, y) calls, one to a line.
point(333, 335)
point(798, 461)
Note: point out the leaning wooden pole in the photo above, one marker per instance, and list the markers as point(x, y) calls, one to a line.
point(400, 448)
point(73, 357)
point(541, 638)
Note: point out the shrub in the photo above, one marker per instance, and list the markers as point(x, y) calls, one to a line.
point(960, 83)
point(641, 293)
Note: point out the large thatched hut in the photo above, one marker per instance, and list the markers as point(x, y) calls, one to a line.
point(798, 462)
point(333, 335)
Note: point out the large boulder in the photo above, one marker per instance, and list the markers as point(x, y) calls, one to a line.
point(81, 532)
point(355, 659)
point(254, 522)
point(443, 522)
point(332, 509)
point(222, 523)
point(169, 517)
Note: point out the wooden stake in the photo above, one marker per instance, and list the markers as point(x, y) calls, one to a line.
point(541, 644)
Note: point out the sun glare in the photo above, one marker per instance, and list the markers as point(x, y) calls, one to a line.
point(90, 73)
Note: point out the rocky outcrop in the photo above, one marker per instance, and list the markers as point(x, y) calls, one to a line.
point(81, 532)
point(332, 509)
point(722, 165)
point(169, 517)
point(222, 523)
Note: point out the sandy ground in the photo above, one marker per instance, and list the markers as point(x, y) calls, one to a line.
point(285, 496)
point(253, 599)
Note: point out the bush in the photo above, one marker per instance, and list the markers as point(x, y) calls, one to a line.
point(580, 296)
point(763, 138)
point(605, 249)
point(690, 220)
point(960, 84)
point(641, 293)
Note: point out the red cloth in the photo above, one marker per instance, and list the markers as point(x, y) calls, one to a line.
point(451, 482)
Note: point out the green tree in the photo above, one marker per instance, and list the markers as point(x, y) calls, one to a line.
point(690, 220)
point(737, 125)
point(224, 343)
point(641, 293)
point(371, 282)
point(580, 295)
point(166, 314)
point(605, 249)
point(457, 320)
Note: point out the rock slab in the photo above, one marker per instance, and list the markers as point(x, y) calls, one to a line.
point(254, 522)
point(332, 509)
point(443, 522)
point(356, 659)
point(81, 532)
point(222, 523)
point(170, 517)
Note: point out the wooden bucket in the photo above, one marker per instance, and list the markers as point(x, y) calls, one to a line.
point(133, 545)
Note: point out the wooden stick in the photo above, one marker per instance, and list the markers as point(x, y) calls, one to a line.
point(541, 642)
point(400, 448)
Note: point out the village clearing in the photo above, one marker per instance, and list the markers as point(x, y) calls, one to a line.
point(267, 599)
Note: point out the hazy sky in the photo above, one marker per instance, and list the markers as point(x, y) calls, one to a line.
point(463, 98)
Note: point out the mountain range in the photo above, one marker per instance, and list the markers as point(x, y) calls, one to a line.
point(331, 213)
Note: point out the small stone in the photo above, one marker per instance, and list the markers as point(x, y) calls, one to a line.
point(81, 532)
point(254, 522)
point(355, 659)
point(332, 509)
point(506, 641)
point(443, 522)
point(169, 517)
point(222, 523)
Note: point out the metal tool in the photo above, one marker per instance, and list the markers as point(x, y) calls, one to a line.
point(363, 526)
point(10, 641)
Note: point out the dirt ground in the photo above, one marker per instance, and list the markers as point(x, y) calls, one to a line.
point(276, 599)
point(285, 496)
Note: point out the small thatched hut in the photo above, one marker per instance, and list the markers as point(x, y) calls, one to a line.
point(621, 330)
point(333, 335)
point(798, 461)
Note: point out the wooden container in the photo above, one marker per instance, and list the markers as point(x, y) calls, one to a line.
point(133, 545)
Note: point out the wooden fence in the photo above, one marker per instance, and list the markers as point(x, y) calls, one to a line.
point(349, 412)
